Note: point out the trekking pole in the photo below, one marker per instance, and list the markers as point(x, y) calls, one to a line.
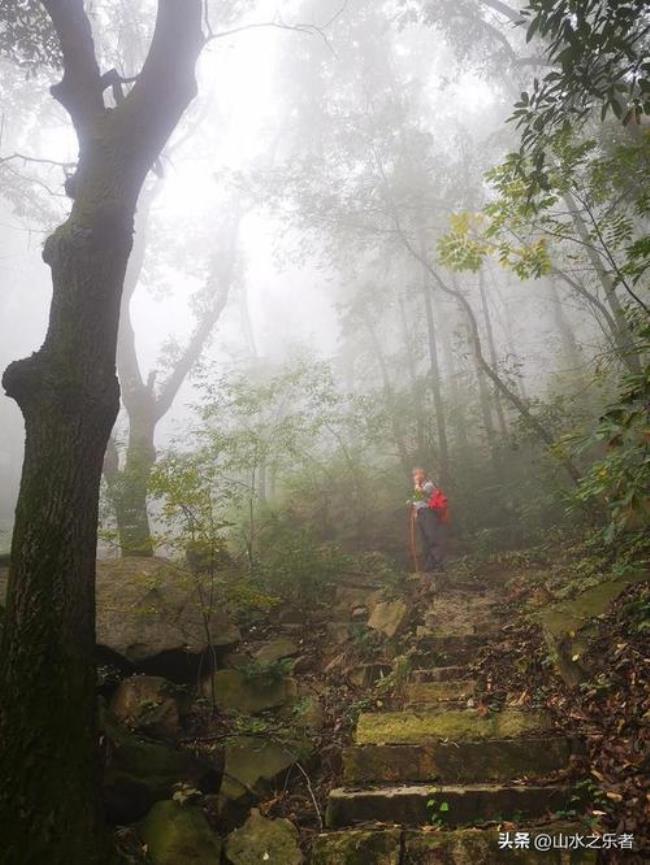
point(414, 553)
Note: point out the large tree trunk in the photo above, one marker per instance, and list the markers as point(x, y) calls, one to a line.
point(68, 394)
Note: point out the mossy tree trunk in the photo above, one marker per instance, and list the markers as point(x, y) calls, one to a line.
point(68, 394)
point(144, 403)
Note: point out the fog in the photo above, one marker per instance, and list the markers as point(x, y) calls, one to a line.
point(326, 153)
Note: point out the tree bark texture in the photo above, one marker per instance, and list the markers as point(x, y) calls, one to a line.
point(68, 394)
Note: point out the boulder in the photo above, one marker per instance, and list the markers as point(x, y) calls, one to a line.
point(350, 597)
point(276, 650)
point(389, 617)
point(259, 840)
point(234, 690)
point(148, 704)
point(254, 764)
point(236, 661)
point(179, 835)
point(570, 625)
point(149, 614)
point(139, 773)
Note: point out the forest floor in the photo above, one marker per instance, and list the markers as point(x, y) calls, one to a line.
point(560, 632)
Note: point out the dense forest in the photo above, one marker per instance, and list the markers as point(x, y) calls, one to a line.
point(278, 257)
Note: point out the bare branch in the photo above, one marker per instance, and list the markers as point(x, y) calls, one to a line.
point(223, 282)
point(38, 159)
point(309, 29)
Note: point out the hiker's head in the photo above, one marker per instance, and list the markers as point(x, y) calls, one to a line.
point(419, 475)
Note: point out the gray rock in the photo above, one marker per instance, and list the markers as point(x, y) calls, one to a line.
point(179, 835)
point(149, 705)
point(264, 842)
point(389, 617)
point(276, 650)
point(148, 612)
point(233, 690)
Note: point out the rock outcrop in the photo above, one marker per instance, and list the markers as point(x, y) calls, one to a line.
point(149, 615)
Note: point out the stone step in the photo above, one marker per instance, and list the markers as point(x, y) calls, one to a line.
point(481, 847)
point(456, 762)
point(453, 649)
point(413, 728)
point(428, 693)
point(438, 674)
point(358, 847)
point(420, 805)
point(393, 846)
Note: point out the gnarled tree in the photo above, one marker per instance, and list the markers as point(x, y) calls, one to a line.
point(68, 394)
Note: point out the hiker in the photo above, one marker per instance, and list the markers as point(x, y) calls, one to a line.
point(430, 514)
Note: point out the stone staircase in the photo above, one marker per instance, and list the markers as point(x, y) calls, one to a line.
point(432, 783)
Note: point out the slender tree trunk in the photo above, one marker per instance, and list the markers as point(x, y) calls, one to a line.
point(492, 350)
point(128, 487)
point(409, 340)
point(475, 340)
point(438, 404)
point(457, 413)
point(625, 344)
point(68, 395)
point(389, 395)
point(568, 340)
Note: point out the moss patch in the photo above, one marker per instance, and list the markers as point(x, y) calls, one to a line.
point(252, 765)
point(274, 842)
point(357, 847)
point(235, 691)
point(412, 728)
point(177, 835)
point(478, 847)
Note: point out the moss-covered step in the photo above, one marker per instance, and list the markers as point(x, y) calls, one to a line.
point(420, 805)
point(357, 847)
point(481, 847)
point(456, 762)
point(406, 728)
point(428, 693)
point(438, 674)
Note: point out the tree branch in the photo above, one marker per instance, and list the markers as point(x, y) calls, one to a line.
point(503, 9)
point(221, 284)
point(80, 90)
point(37, 159)
point(166, 83)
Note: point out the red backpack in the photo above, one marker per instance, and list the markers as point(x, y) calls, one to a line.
point(440, 504)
